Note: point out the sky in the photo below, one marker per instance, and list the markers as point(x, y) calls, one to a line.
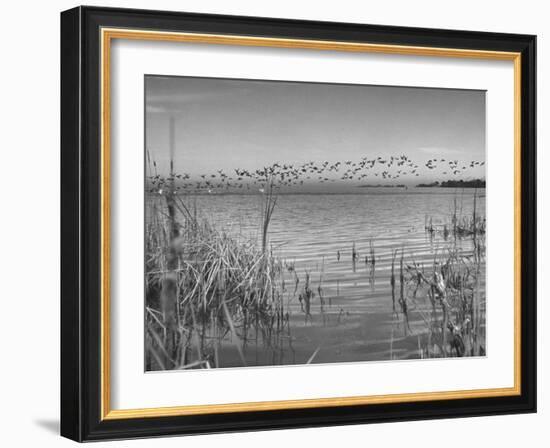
point(223, 124)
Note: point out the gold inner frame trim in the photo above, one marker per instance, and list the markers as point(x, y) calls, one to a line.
point(107, 35)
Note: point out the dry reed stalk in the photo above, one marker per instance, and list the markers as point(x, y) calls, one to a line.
point(392, 280)
point(402, 296)
point(169, 283)
point(313, 355)
point(268, 209)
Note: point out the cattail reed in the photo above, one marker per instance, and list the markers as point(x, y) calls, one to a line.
point(392, 281)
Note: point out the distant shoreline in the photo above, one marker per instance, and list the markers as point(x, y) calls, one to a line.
point(475, 183)
point(382, 186)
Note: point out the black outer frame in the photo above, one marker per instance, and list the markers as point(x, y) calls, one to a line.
point(80, 223)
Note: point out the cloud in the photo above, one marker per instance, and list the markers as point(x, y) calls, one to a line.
point(169, 95)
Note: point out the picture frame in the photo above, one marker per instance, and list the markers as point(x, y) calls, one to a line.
point(87, 36)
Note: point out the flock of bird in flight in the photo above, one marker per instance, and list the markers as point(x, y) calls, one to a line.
point(287, 175)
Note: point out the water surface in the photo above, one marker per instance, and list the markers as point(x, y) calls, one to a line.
point(319, 234)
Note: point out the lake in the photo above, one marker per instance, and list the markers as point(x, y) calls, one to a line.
point(332, 237)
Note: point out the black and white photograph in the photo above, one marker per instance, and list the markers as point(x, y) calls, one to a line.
point(287, 220)
point(295, 223)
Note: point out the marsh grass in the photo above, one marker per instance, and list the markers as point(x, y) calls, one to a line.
point(459, 225)
point(453, 323)
point(205, 288)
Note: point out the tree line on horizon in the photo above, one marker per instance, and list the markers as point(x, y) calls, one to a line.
point(475, 183)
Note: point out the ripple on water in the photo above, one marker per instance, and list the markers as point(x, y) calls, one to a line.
point(310, 231)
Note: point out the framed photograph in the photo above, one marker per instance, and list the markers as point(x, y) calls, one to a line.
point(272, 224)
